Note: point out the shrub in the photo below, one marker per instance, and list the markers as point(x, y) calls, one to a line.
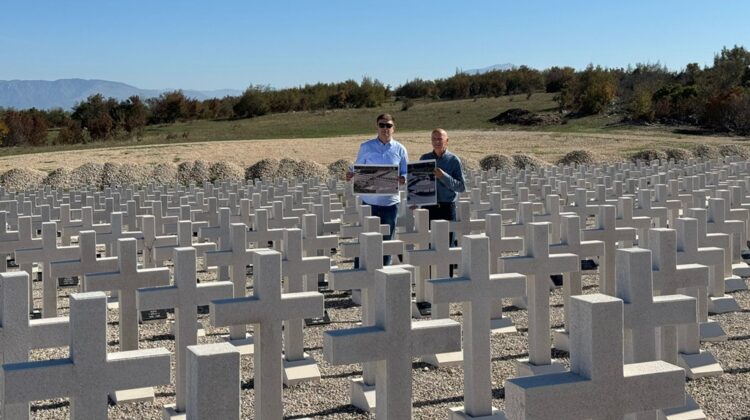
point(495, 161)
point(577, 157)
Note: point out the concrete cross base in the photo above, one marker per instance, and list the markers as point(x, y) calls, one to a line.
point(741, 269)
point(712, 331)
point(299, 371)
point(169, 412)
point(246, 346)
point(357, 297)
point(136, 395)
point(722, 304)
point(441, 360)
point(363, 395)
point(690, 411)
point(699, 365)
point(502, 325)
point(734, 284)
point(198, 329)
point(561, 340)
point(458, 413)
point(524, 368)
point(521, 302)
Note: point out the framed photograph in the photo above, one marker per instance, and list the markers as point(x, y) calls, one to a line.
point(421, 184)
point(375, 179)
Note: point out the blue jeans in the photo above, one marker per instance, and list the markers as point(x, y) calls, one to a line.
point(387, 216)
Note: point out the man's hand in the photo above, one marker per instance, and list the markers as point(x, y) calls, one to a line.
point(438, 173)
point(402, 180)
point(349, 176)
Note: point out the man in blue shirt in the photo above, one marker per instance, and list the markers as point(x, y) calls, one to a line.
point(384, 150)
point(450, 178)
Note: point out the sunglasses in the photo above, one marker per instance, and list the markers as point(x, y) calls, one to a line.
point(385, 125)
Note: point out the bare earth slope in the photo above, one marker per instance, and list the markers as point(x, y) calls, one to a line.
point(475, 144)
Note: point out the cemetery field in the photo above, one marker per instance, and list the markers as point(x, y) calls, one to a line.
point(434, 390)
point(608, 145)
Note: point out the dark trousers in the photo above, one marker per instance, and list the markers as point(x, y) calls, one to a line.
point(444, 211)
point(387, 216)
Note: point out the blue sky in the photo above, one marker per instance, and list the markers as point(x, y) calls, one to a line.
point(231, 44)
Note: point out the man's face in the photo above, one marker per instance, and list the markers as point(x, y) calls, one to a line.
point(439, 142)
point(386, 129)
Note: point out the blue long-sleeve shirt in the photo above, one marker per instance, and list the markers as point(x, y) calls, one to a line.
point(453, 181)
point(376, 153)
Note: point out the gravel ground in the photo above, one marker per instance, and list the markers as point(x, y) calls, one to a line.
point(434, 390)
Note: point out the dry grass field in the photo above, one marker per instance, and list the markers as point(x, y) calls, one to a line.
point(608, 145)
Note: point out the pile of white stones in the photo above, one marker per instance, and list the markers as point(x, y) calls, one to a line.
point(667, 239)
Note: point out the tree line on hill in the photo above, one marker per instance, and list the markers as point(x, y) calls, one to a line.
point(716, 97)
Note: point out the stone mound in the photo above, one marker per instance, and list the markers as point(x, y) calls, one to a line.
point(133, 174)
point(310, 169)
point(706, 151)
point(469, 164)
point(577, 157)
point(647, 155)
point(226, 171)
point(522, 161)
point(262, 169)
point(110, 174)
point(734, 150)
point(164, 173)
point(22, 179)
point(60, 178)
point(497, 161)
point(677, 154)
point(201, 172)
point(183, 172)
point(87, 175)
point(339, 168)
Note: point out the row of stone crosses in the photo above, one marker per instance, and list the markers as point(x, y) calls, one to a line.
point(667, 239)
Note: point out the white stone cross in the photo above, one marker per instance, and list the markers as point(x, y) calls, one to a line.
point(599, 385)
point(731, 282)
point(537, 264)
point(115, 233)
point(714, 257)
point(392, 342)
point(213, 382)
point(436, 260)
point(89, 373)
point(220, 235)
point(498, 244)
point(464, 224)
point(608, 232)
point(184, 238)
point(185, 295)
point(126, 280)
point(478, 290)
point(261, 234)
point(19, 335)
point(314, 243)
point(266, 309)
point(87, 263)
point(670, 278)
point(301, 275)
point(625, 218)
point(48, 253)
point(151, 240)
point(571, 243)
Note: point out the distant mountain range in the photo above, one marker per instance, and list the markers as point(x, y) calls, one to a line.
point(65, 93)
point(504, 66)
